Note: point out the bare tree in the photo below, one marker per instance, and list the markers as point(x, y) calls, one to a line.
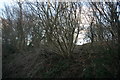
point(59, 22)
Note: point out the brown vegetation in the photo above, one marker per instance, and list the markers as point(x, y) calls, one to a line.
point(38, 40)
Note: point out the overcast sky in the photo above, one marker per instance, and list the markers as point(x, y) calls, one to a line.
point(7, 2)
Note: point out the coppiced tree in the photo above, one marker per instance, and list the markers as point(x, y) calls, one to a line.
point(59, 23)
point(107, 18)
point(8, 29)
point(42, 23)
point(14, 27)
point(107, 22)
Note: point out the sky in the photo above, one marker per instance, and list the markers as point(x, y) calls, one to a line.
point(9, 2)
point(83, 17)
point(4, 2)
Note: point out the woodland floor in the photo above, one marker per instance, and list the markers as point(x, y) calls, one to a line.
point(87, 62)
